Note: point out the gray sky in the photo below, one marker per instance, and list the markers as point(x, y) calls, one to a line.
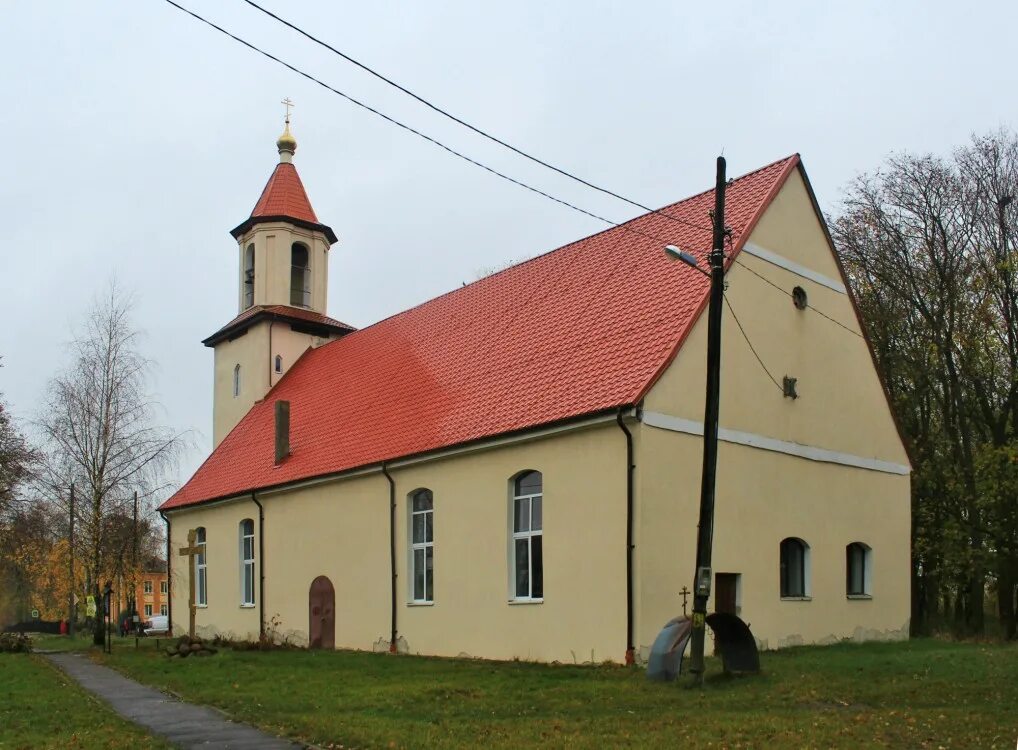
point(136, 138)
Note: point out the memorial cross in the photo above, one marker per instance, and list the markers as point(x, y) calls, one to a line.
point(191, 551)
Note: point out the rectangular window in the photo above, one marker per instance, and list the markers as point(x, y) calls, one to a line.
point(528, 538)
point(148, 610)
point(162, 587)
point(247, 553)
point(163, 610)
point(422, 546)
point(148, 587)
point(201, 570)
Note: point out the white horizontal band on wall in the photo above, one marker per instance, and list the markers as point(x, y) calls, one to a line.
point(790, 265)
point(810, 452)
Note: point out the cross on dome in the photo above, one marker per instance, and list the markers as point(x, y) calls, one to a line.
point(286, 143)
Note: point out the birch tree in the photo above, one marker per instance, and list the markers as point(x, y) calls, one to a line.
point(101, 430)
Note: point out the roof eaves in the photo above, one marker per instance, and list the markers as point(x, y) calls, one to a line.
point(251, 221)
point(375, 465)
point(242, 323)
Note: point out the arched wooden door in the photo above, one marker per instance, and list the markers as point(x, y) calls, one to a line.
point(322, 614)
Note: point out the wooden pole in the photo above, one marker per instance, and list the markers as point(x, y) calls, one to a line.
point(70, 549)
point(705, 528)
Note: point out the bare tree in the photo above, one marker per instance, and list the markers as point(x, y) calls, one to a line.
point(100, 429)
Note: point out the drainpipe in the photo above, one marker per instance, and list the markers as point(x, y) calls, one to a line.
point(272, 368)
point(169, 578)
point(630, 467)
point(392, 553)
point(261, 567)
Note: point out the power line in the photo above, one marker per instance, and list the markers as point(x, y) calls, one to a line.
point(750, 343)
point(467, 125)
point(392, 120)
point(788, 294)
point(624, 226)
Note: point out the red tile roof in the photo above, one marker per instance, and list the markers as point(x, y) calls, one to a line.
point(284, 195)
point(284, 198)
point(584, 329)
point(279, 311)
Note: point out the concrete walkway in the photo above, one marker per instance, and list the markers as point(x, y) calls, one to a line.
point(183, 724)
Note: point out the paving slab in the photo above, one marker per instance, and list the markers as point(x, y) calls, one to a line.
point(184, 724)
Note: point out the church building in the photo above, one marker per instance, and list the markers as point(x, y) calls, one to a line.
point(392, 487)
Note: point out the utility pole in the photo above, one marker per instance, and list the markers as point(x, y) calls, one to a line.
point(705, 528)
point(70, 549)
point(133, 599)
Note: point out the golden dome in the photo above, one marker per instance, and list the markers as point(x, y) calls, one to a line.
point(286, 142)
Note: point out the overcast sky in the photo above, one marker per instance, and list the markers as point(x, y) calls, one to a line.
point(136, 138)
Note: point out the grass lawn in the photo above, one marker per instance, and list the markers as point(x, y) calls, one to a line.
point(40, 707)
point(923, 693)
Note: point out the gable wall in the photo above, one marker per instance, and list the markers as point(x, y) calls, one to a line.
point(764, 496)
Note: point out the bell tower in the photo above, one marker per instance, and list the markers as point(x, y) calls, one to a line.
point(282, 293)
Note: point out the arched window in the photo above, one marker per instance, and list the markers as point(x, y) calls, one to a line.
point(422, 546)
point(527, 544)
point(279, 363)
point(794, 568)
point(300, 276)
point(858, 569)
point(236, 380)
point(247, 563)
point(201, 570)
point(249, 276)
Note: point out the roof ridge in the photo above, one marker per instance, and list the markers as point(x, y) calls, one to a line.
point(561, 247)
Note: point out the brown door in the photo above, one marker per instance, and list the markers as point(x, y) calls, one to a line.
point(726, 587)
point(322, 614)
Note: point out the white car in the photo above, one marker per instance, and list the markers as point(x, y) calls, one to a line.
point(158, 625)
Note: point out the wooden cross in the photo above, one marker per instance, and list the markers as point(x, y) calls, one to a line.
point(685, 595)
point(192, 550)
point(287, 103)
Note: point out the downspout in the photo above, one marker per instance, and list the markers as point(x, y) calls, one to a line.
point(392, 553)
point(630, 467)
point(169, 578)
point(272, 322)
point(261, 567)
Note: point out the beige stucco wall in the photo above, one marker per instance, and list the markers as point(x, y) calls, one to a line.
point(341, 529)
point(763, 496)
point(224, 613)
point(256, 358)
point(272, 241)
